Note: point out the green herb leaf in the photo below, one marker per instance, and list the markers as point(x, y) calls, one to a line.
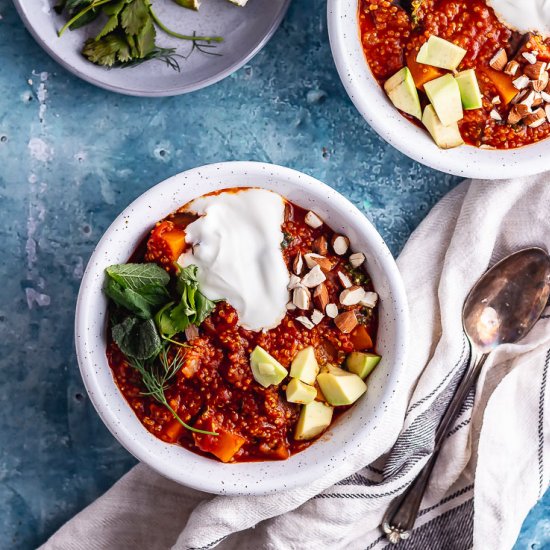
point(137, 339)
point(107, 51)
point(145, 39)
point(135, 16)
point(142, 303)
point(136, 276)
point(111, 25)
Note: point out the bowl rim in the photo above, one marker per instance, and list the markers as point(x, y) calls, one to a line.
point(364, 92)
point(178, 90)
point(84, 341)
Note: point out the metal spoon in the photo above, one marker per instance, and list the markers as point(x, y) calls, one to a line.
point(501, 308)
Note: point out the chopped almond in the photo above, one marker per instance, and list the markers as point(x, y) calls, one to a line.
point(531, 57)
point(331, 310)
point(495, 115)
point(346, 321)
point(517, 113)
point(540, 84)
point(352, 296)
point(521, 82)
point(298, 265)
point(305, 321)
point(294, 282)
point(534, 72)
point(535, 119)
point(291, 306)
point(314, 277)
point(316, 317)
point(320, 245)
point(512, 68)
point(311, 258)
point(344, 279)
point(301, 298)
point(340, 244)
point(369, 299)
point(495, 100)
point(545, 96)
point(499, 60)
point(357, 259)
point(313, 220)
point(321, 297)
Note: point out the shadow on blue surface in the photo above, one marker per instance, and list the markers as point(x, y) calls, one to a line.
point(73, 156)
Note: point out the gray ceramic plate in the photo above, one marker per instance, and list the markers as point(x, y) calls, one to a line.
point(245, 32)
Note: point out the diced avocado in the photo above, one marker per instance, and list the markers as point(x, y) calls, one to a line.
point(315, 417)
point(444, 95)
point(445, 137)
point(341, 387)
point(298, 392)
point(469, 89)
point(267, 370)
point(440, 53)
point(304, 366)
point(361, 363)
point(402, 91)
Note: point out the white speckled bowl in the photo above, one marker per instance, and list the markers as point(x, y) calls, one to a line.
point(175, 462)
point(378, 111)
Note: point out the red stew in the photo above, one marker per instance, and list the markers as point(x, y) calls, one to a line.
point(391, 39)
point(215, 389)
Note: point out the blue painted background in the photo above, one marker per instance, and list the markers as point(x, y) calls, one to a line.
point(72, 157)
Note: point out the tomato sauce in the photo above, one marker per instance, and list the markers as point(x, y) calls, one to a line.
point(215, 388)
point(390, 36)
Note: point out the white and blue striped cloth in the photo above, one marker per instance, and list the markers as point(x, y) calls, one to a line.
point(492, 469)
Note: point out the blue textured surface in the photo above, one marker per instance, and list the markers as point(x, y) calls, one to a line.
point(72, 157)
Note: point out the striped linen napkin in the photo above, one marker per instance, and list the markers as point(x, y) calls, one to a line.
point(493, 467)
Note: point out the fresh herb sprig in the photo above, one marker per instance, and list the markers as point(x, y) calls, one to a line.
point(156, 380)
point(128, 36)
point(147, 317)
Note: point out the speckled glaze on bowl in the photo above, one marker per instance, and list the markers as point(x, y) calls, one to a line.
point(378, 111)
point(245, 31)
point(175, 462)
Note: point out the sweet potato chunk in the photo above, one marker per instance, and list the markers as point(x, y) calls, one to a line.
point(361, 339)
point(503, 84)
point(422, 73)
point(165, 244)
point(224, 445)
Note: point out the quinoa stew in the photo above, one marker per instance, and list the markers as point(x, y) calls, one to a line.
point(242, 327)
point(468, 71)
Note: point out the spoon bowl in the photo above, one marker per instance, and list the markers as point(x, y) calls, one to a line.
point(508, 300)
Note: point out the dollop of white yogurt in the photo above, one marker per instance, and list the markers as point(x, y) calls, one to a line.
point(236, 244)
point(524, 15)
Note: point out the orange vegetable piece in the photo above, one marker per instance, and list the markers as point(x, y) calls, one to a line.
point(165, 244)
point(173, 431)
point(224, 445)
point(421, 73)
point(503, 84)
point(360, 338)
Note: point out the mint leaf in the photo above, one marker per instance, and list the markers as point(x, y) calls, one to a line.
point(136, 276)
point(143, 303)
point(136, 338)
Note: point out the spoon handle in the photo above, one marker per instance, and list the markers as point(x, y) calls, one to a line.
point(401, 515)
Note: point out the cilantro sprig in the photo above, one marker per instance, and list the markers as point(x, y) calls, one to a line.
point(128, 36)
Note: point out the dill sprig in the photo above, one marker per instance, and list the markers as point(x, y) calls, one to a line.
point(156, 379)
